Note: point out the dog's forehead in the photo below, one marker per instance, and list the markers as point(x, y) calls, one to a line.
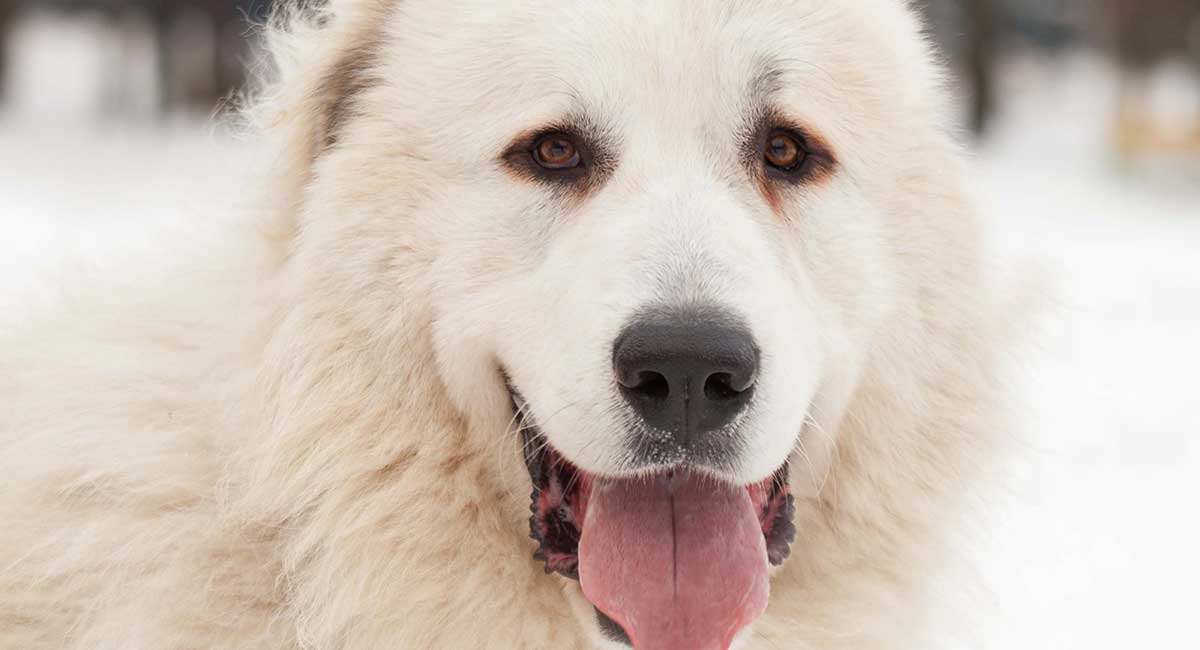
point(496, 68)
point(687, 53)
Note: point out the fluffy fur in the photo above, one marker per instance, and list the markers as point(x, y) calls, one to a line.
point(303, 440)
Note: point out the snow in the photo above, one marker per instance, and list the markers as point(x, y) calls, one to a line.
point(1098, 545)
point(78, 194)
point(1095, 543)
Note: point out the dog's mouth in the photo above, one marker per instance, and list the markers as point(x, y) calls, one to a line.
point(677, 559)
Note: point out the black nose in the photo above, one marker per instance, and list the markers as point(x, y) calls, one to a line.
point(686, 374)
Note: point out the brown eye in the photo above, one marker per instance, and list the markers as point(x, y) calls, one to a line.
point(556, 151)
point(784, 152)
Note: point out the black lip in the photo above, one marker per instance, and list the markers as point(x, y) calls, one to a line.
point(552, 500)
point(783, 529)
point(612, 629)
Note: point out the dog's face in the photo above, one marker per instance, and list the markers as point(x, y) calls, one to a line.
point(659, 236)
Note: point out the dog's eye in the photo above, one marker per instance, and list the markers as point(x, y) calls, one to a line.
point(556, 151)
point(784, 152)
point(560, 157)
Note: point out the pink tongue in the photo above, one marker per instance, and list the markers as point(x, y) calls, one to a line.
point(680, 566)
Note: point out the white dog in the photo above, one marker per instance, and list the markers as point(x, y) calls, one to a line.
point(700, 275)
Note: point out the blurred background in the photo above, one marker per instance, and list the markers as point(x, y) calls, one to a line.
point(1083, 120)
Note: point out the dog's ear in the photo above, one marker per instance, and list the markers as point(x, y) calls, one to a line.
point(318, 58)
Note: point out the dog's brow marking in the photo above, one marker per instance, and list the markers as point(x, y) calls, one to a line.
point(763, 87)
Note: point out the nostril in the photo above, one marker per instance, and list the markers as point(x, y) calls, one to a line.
point(720, 387)
point(651, 385)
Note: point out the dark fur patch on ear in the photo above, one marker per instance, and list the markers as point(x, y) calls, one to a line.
point(352, 75)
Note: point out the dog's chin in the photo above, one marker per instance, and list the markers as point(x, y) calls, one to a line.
point(720, 540)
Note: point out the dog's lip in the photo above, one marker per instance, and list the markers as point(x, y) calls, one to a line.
point(522, 417)
point(530, 429)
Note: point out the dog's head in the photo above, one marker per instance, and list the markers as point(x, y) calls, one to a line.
point(655, 240)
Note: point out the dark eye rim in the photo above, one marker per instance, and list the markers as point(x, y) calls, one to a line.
point(816, 162)
point(521, 157)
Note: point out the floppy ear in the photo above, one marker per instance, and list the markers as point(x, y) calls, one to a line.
point(317, 61)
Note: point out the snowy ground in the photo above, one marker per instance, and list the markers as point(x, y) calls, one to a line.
point(1100, 545)
point(1097, 543)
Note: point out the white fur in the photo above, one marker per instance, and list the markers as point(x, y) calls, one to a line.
point(308, 443)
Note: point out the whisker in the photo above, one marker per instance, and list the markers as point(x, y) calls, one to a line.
point(834, 449)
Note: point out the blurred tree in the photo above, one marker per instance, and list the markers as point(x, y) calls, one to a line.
point(966, 31)
point(227, 23)
point(7, 12)
point(1148, 31)
point(1146, 34)
point(980, 61)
